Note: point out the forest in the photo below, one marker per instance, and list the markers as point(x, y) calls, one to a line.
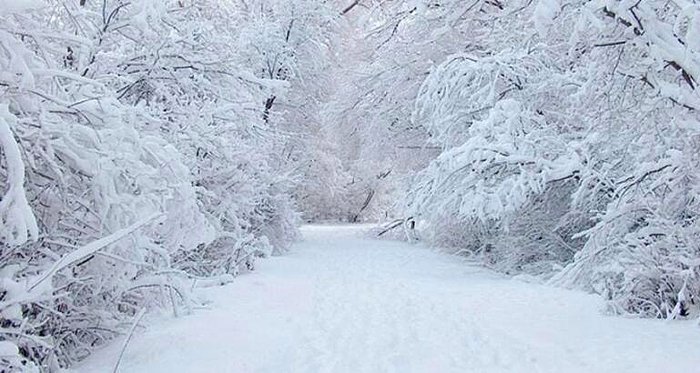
point(152, 148)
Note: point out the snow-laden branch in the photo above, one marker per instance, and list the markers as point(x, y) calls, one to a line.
point(89, 249)
point(17, 221)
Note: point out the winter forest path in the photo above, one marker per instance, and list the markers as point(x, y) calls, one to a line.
point(342, 303)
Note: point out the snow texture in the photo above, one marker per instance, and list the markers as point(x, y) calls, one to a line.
point(342, 303)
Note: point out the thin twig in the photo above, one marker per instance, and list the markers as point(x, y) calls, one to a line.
point(139, 316)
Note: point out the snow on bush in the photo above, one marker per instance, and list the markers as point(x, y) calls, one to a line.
point(138, 158)
point(571, 147)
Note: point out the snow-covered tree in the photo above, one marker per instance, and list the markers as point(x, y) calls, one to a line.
point(569, 137)
point(136, 160)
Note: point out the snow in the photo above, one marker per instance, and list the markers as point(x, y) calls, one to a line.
point(340, 302)
point(8, 348)
point(17, 221)
point(545, 12)
point(19, 5)
point(89, 249)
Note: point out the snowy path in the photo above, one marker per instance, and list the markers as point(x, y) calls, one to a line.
point(340, 303)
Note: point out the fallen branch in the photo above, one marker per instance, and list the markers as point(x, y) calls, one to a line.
point(391, 226)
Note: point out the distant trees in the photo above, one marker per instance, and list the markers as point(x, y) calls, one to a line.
point(367, 118)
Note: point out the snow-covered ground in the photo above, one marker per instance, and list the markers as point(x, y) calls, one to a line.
point(342, 303)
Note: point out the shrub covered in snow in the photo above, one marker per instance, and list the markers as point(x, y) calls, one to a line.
point(138, 157)
point(570, 137)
